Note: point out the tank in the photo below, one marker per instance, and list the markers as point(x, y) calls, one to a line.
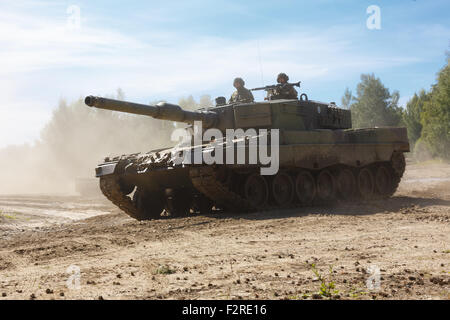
point(315, 158)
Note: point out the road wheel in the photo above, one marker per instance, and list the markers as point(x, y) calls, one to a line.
point(149, 204)
point(178, 202)
point(256, 191)
point(345, 184)
point(305, 187)
point(325, 186)
point(202, 204)
point(125, 188)
point(282, 188)
point(366, 183)
point(383, 181)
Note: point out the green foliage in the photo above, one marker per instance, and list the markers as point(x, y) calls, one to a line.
point(327, 288)
point(422, 151)
point(374, 105)
point(189, 103)
point(78, 136)
point(164, 269)
point(10, 216)
point(356, 293)
point(435, 118)
point(76, 139)
point(346, 100)
point(411, 116)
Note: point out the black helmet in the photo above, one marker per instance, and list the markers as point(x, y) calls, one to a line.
point(220, 101)
point(240, 80)
point(282, 75)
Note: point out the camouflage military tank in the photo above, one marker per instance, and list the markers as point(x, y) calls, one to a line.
point(320, 159)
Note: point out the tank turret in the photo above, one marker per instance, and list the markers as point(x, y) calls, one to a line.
point(283, 114)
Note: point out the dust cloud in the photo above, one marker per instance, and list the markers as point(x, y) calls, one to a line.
point(75, 140)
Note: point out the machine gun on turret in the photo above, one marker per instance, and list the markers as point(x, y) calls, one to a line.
point(275, 86)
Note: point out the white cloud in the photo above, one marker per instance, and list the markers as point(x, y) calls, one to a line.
point(41, 61)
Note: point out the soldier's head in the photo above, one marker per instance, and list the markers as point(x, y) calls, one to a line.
point(238, 83)
point(282, 78)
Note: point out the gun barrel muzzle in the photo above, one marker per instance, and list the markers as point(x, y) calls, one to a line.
point(90, 100)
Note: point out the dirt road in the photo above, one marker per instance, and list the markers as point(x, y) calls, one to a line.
point(75, 248)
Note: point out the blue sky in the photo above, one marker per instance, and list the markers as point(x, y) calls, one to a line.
point(169, 49)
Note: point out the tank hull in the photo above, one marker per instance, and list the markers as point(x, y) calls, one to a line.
point(315, 167)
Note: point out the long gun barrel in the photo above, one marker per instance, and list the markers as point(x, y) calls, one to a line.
point(162, 110)
point(296, 84)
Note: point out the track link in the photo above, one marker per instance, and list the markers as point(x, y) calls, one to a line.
point(205, 181)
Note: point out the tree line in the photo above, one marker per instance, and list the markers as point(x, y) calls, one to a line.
point(76, 139)
point(426, 115)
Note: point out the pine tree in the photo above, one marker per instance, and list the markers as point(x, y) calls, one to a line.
point(346, 100)
point(411, 116)
point(435, 117)
point(374, 105)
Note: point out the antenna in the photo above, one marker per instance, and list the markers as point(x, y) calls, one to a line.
point(260, 63)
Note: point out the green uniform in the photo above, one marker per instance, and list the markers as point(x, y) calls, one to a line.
point(242, 95)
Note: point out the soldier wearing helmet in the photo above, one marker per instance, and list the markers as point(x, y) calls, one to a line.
point(284, 90)
point(241, 94)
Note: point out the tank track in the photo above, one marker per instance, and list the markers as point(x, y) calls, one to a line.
point(398, 166)
point(206, 180)
point(110, 187)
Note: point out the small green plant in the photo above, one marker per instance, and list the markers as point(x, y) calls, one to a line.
point(5, 215)
point(305, 296)
point(327, 288)
point(355, 293)
point(164, 269)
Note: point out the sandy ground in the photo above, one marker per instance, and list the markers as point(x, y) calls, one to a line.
point(77, 248)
